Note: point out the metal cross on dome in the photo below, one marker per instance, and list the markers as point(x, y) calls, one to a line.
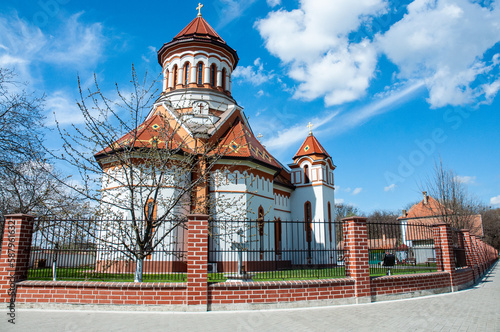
point(200, 6)
point(310, 125)
point(260, 136)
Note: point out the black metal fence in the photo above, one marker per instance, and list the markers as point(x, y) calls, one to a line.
point(400, 248)
point(275, 250)
point(104, 250)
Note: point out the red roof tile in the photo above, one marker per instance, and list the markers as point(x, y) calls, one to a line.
point(239, 141)
point(311, 146)
point(422, 209)
point(152, 132)
point(199, 28)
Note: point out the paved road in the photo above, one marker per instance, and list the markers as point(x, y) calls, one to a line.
point(474, 309)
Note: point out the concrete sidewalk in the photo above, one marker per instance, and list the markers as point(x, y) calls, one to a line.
point(474, 309)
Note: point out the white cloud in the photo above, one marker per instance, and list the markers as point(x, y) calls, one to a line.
point(273, 3)
point(313, 42)
point(63, 109)
point(391, 187)
point(343, 122)
point(465, 179)
point(339, 201)
point(495, 201)
point(357, 191)
point(230, 10)
point(256, 75)
point(443, 42)
point(23, 44)
point(290, 136)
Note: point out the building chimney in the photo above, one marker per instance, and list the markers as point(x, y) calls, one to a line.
point(404, 213)
point(425, 197)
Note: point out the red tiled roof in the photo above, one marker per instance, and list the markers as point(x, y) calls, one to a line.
point(152, 132)
point(429, 214)
point(421, 209)
point(199, 28)
point(311, 146)
point(239, 141)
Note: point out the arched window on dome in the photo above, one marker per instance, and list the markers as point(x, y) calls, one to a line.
point(224, 79)
point(166, 76)
point(306, 174)
point(186, 74)
point(213, 75)
point(174, 76)
point(199, 73)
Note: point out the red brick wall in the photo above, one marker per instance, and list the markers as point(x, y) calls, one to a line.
point(409, 283)
point(281, 291)
point(463, 276)
point(81, 292)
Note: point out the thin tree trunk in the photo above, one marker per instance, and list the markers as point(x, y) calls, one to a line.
point(139, 266)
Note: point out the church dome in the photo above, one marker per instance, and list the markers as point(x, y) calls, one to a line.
point(198, 59)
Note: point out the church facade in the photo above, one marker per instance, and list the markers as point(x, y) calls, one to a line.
point(246, 182)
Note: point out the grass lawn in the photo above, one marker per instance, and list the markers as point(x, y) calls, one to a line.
point(86, 274)
point(377, 271)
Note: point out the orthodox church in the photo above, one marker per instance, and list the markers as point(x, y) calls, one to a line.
point(196, 99)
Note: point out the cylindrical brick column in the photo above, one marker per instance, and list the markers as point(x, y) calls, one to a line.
point(197, 258)
point(14, 260)
point(357, 267)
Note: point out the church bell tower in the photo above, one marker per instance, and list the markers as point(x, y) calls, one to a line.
point(197, 66)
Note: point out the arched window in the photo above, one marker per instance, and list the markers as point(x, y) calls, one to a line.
point(174, 76)
point(213, 75)
point(308, 220)
point(277, 235)
point(260, 223)
point(330, 220)
point(308, 228)
point(199, 75)
point(306, 174)
point(186, 74)
point(224, 79)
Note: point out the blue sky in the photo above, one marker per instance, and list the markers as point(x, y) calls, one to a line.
point(390, 86)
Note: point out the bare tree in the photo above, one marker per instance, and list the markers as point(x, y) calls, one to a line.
point(149, 173)
point(491, 226)
point(345, 210)
point(21, 121)
point(30, 188)
point(455, 206)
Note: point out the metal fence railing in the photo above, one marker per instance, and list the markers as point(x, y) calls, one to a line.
point(400, 248)
point(104, 250)
point(275, 250)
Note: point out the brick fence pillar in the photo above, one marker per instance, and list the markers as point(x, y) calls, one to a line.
point(15, 255)
point(197, 258)
point(475, 253)
point(356, 244)
point(482, 251)
point(478, 253)
point(447, 256)
point(471, 258)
